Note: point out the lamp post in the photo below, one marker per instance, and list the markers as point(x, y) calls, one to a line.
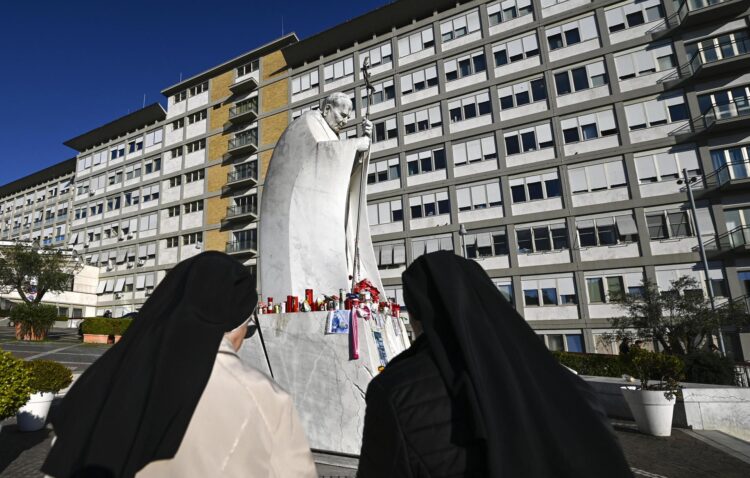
point(462, 232)
point(688, 181)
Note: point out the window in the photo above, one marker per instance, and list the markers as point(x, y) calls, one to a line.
point(173, 242)
point(549, 291)
point(117, 152)
point(474, 151)
point(508, 10)
point(382, 171)
point(96, 208)
point(113, 203)
point(379, 55)
point(133, 171)
point(194, 176)
point(668, 224)
point(385, 212)
point(486, 244)
point(542, 238)
point(305, 82)
point(736, 159)
point(338, 69)
point(464, 66)
point(430, 204)
point(415, 42)
point(178, 123)
point(588, 126)
point(248, 68)
point(460, 26)
point(135, 145)
point(181, 96)
point(196, 146)
point(597, 177)
point(478, 196)
point(173, 211)
point(194, 206)
point(422, 120)
point(390, 255)
point(150, 193)
point(725, 103)
point(528, 139)
point(656, 166)
point(198, 89)
point(115, 177)
point(176, 152)
point(515, 50)
point(425, 161)
point(419, 80)
point(80, 213)
point(152, 165)
point(298, 112)
point(426, 245)
point(610, 287)
point(470, 107)
point(645, 61)
point(175, 181)
point(523, 93)
point(384, 130)
point(384, 91)
point(606, 231)
point(534, 188)
point(582, 78)
point(719, 48)
point(195, 117)
point(658, 111)
point(571, 33)
point(633, 14)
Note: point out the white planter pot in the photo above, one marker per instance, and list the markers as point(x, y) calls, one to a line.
point(651, 410)
point(32, 416)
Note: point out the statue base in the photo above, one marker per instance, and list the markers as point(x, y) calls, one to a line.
point(315, 368)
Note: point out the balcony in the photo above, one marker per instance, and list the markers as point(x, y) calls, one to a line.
point(245, 112)
point(243, 86)
point(735, 242)
point(731, 176)
point(709, 62)
point(242, 247)
point(243, 143)
point(245, 175)
point(717, 119)
point(691, 13)
point(241, 212)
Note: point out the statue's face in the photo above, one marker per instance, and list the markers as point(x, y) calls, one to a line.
point(338, 114)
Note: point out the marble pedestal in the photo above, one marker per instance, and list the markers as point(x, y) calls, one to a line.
point(328, 387)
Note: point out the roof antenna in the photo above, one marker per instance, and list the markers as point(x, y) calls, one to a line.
point(282, 25)
point(144, 100)
point(180, 76)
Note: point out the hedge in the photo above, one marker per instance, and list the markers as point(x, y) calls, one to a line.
point(14, 385)
point(48, 375)
point(105, 326)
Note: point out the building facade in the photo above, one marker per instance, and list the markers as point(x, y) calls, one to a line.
point(554, 133)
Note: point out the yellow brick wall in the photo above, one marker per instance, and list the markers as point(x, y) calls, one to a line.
point(272, 65)
point(215, 240)
point(271, 128)
point(220, 85)
point(274, 96)
point(219, 115)
point(217, 146)
point(216, 209)
point(265, 159)
point(216, 177)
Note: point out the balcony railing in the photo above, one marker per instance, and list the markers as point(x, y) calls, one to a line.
point(246, 111)
point(737, 108)
point(727, 173)
point(710, 56)
point(242, 209)
point(243, 173)
point(737, 238)
point(249, 245)
point(244, 142)
point(691, 11)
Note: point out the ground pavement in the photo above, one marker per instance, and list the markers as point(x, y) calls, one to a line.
point(686, 454)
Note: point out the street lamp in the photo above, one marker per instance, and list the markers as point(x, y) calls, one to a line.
point(462, 232)
point(688, 182)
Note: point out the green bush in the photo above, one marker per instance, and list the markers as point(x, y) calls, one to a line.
point(600, 365)
point(34, 319)
point(48, 375)
point(15, 386)
point(646, 365)
point(707, 367)
point(105, 326)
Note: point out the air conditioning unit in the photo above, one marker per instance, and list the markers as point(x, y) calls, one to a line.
point(120, 238)
point(141, 262)
point(91, 193)
point(109, 268)
point(129, 236)
point(148, 291)
point(86, 245)
point(118, 295)
point(130, 265)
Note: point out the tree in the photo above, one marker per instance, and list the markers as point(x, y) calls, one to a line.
point(32, 271)
point(680, 319)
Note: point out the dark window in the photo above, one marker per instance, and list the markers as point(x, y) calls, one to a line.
point(501, 57)
point(451, 75)
point(635, 18)
point(535, 191)
point(470, 111)
point(657, 226)
point(416, 211)
point(607, 235)
point(678, 112)
point(429, 209)
point(572, 37)
point(549, 296)
point(560, 238)
point(479, 63)
point(562, 83)
point(589, 131)
point(524, 240)
point(512, 145)
point(410, 128)
point(553, 187)
point(455, 114)
point(529, 141)
point(538, 90)
point(484, 108)
point(541, 239)
point(426, 164)
point(500, 242)
point(571, 135)
point(580, 80)
point(464, 66)
point(439, 156)
point(555, 41)
point(531, 297)
point(398, 215)
point(506, 102)
point(519, 193)
point(412, 167)
point(587, 236)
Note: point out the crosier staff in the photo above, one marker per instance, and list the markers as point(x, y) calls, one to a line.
point(365, 162)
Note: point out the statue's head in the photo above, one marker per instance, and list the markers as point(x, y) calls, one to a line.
point(337, 109)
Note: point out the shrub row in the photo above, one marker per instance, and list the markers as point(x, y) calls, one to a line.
point(105, 326)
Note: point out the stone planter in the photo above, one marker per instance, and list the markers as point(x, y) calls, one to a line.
point(32, 416)
point(29, 335)
point(651, 410)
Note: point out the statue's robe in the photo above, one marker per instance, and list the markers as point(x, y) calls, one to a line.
point(309, 210)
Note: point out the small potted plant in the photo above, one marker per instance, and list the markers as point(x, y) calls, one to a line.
point(652, 404)
point(33, 321)
point(14, 385)
point(103, 330)
point(47, 378)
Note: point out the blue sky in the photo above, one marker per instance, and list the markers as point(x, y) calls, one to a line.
point(68, 67)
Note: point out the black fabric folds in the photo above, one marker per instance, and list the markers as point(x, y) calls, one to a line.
point(133, 405)
point(536, 418)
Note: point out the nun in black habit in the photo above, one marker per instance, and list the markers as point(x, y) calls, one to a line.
point(478, 394)
point(134, 404)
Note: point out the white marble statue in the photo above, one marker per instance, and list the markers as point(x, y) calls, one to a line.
point(310, 204)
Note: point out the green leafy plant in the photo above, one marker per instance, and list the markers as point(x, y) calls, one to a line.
point(105, 326)
point(32, 271)
point(15, 386)
point(34, 320)
point(600, 365)
point(708, 367)
point(667, 369)
point(48, 376)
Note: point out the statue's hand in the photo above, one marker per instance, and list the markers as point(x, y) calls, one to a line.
point(363, 143)
point(367, 128)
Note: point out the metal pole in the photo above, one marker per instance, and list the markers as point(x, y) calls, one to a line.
point(462, 233)
point(703, 254)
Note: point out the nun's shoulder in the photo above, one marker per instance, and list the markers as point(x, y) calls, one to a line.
point(409, 370)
